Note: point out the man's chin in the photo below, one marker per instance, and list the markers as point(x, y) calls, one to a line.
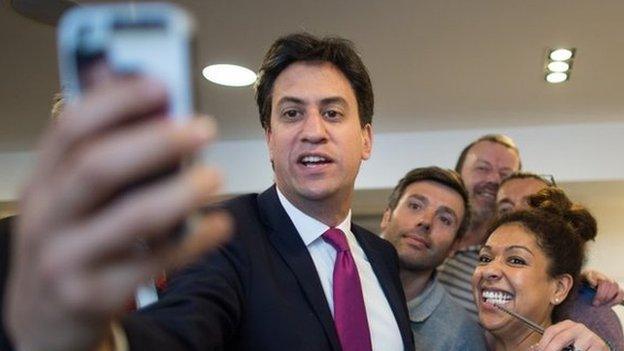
point(483, 210)
point(409, 264)
point(317, 192)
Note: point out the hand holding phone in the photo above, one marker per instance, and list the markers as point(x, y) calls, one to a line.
point(75, 265)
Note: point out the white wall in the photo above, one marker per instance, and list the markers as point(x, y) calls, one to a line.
point(14, 169)
point(571, 152)
point(587, 152)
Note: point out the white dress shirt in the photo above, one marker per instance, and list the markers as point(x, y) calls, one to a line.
point(385, 334)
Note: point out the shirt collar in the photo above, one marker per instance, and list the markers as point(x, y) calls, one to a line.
point(423, 305)
point(308, 227)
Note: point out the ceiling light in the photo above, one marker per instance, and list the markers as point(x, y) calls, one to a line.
point(558, 66)
point(230, 75)
point(561, 54)
point(556, 77)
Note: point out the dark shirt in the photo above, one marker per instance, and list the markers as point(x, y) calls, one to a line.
point(601, 320)
point(5, 237)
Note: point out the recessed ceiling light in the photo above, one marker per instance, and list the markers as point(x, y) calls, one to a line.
point(230, 75)
point(561, 54)
point(558, 66)
point(556, 77)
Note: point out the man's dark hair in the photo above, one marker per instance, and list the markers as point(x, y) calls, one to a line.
point(549, 180)
point(493, 138)
point(308, 48)
point(446, 177)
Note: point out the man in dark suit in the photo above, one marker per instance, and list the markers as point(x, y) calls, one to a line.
point(271, 287)
point(297, 275)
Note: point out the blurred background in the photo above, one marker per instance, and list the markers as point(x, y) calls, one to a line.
point(444, 73)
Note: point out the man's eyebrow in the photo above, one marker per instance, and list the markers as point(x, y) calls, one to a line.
point(419, 197)
point(290, 99)
point(333, 100)
point(446, 209)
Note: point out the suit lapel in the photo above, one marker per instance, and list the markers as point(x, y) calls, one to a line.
point(288, 243)
point(395, 297)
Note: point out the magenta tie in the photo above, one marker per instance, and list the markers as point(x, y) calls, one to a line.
point(349, 309)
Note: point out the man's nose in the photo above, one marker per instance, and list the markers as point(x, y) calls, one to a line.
point(424, 222)
point(494, 177)
point(314, 128)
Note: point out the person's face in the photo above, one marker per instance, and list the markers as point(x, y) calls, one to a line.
point(315, 140)
point(424, 224)
point(486, 164)
point(514, 194)
point(512, 271)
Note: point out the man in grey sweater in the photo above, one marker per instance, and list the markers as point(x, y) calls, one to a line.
point(427, 212)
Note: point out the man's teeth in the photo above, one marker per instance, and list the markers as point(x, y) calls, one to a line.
point(313, 160)
point(488, 194)
point(496, 297)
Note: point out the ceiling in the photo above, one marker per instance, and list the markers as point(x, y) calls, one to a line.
point(435, 65)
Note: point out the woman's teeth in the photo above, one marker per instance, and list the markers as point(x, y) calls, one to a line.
point(496, 297)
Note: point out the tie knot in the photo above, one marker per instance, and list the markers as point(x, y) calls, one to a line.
point(336, 238)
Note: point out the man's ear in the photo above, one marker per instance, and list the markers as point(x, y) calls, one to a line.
point(367, 141)
point(385, 220)
point(562, 287)
point(267, 137)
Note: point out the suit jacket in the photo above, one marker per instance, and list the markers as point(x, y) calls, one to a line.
point(260, 291)
point(6, 225)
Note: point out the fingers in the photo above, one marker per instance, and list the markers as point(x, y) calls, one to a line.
point(206, 233)
point(133, 97)
point(556, 337)
point(85, 263)
point(80, 290)
point(87, 204)
point(591, 276)
point(606, 292)
point(128, 156)
point(213, 231)
point(566, 333)
point(148, 214)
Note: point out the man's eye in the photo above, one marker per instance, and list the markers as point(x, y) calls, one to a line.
point(332, 114)
point(290, 113)
point(447, 221)
point(414, 205)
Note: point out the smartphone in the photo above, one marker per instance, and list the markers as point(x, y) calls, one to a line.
point(155, 39)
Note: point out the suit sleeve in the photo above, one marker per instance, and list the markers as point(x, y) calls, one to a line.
point(200, 310)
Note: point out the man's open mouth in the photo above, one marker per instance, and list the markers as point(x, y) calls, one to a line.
point(314, 160)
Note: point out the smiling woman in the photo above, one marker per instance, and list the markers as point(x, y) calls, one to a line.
point(530, 265)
